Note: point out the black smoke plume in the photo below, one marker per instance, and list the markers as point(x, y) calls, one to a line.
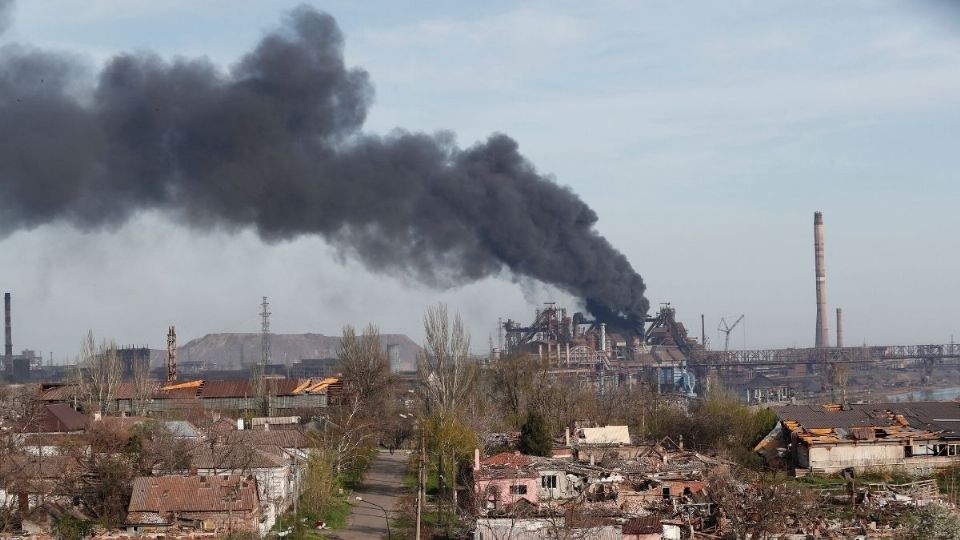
point(276, 143)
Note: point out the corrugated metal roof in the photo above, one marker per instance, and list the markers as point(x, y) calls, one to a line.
point(863, 422)
point(163, 494)
point(58, 418)
point(283, 438)
point(643, 525)
point(234, 457)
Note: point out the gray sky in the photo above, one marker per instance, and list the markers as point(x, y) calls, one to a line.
point(704, 134)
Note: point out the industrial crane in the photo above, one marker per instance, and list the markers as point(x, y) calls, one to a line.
point(726, 329)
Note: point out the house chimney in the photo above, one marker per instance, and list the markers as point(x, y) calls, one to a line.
point(823, 332)
point(839, 327)
point(476, 459)
point(8, 333)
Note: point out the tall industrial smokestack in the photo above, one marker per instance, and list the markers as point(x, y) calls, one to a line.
point(839, 327)
point(7, 333)
point(823, 332)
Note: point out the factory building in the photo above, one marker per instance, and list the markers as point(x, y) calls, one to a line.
point(656, 352)
point(284, 395)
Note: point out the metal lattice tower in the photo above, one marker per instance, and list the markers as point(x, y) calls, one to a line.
point(264, 333)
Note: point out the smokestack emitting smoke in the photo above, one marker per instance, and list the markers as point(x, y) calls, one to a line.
point(823, 333)
point(275, 143)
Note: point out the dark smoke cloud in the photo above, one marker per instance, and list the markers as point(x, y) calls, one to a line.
point(275, 143)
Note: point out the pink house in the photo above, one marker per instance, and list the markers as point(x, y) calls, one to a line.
point(503, 479)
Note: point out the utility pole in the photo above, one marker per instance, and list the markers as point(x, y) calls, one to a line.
point(420, 487)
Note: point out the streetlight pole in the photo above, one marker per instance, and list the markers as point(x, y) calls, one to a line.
point(386, 515)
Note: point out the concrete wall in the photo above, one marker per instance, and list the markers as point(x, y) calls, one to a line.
point(564, 490)
point(833, 459)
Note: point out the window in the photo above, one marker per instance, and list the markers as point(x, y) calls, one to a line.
point(518, 489)
point(548, 481)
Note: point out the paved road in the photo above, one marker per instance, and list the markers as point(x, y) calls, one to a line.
point(382, 485)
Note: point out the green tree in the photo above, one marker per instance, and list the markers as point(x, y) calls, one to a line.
point(534, 437)
point(68, 527)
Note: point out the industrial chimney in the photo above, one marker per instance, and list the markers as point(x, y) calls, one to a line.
point(823, 332)
point(172, 354)
point(8, 335)
point(839, 327)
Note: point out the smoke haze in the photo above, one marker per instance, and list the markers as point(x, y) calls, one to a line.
point(275, 143)
point(5, 8)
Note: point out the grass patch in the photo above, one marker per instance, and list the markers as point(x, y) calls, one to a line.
point(409, 478)
point(819, 481)
point(432, 523)
point(335, 515)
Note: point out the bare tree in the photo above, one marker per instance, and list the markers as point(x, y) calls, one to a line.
point(347, 432)
point(366, 368)
point(839, 377)
point(445, 370)
point(142, 386)
point(99, 373)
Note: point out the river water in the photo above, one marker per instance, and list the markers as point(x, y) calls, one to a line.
point(939, 394)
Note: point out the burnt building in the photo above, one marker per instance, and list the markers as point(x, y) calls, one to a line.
point(916, 438)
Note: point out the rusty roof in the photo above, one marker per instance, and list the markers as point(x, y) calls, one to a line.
point(508, 459)
point(204, 389)
point(26, 465)
point(643, 525)
point(222, 493)
point(57, 418)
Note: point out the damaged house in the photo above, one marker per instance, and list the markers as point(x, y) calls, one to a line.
point(826, 439)
point(223, 504)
